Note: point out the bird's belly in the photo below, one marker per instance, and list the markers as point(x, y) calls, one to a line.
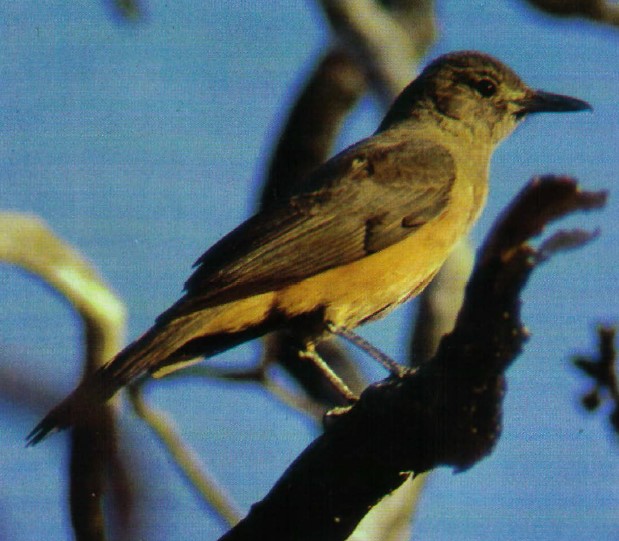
point(371, 286)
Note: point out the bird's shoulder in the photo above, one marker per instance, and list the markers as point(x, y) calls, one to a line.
point(393, 157)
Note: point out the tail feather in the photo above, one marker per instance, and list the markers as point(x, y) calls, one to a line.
point(165, 346)
point(78, 408)
point(145, 354)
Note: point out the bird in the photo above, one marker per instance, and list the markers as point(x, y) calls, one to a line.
point(364, 232)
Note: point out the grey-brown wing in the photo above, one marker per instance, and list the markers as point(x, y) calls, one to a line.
point(363, 200)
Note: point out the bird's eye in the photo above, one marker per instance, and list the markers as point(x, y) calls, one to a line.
point(485, 87)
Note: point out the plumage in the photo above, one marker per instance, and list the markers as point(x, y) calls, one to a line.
point(367, 205)
point(365, 232)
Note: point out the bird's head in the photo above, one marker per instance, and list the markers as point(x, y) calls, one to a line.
point(479, 93)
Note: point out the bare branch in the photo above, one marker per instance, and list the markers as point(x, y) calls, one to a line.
point(300, 402)
point(25, 241)
point(184, 458)
point(565, 240)
point(446, 412)
point(440, 303)
point(386, 49)
point(331, 91)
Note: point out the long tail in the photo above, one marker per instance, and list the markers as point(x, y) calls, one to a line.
point(153, 349)
point(77, 408)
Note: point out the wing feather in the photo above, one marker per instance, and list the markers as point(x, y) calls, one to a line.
point(363, 200)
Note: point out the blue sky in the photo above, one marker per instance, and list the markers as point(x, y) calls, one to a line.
point(143, 144)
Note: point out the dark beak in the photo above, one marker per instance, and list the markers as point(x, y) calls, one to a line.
point(539, 101)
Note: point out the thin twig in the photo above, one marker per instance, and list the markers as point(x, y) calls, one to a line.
point(302, 403)
point(185, 458)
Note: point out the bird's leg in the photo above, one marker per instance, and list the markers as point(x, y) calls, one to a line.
point(395, 368)
point(310, 353)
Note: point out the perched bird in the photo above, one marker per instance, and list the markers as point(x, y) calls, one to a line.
point(366, 231)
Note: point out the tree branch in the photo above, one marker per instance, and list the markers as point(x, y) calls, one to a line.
point(184, 457)
point(386, 44)
point(446, 412)
point(25, 241)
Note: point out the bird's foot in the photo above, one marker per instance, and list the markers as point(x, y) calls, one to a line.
point(312, 355)
point(395, 368)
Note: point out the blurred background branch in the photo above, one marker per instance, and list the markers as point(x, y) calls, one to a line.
point(387, 39)
point(25, 241)
point(602, 11)
point(187, 461)
point(128, 10)
point(601, 370)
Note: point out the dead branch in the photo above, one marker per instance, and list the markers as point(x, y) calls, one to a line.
point(331, 91)
point(446, 412)
point(25, 241)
